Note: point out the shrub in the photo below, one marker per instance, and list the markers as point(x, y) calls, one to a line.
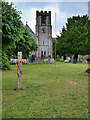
point(5, 62)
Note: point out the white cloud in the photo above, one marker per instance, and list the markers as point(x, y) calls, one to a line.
point(48, 0)
point(30, 16)
point(60, 17)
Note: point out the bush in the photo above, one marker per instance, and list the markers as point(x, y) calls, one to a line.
point(5, 62)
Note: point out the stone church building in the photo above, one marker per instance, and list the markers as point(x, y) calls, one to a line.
point(43, 35)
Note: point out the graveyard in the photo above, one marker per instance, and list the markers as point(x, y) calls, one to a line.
point(44, 72)
point(47, 92)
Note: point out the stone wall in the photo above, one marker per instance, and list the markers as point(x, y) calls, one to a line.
point(43, 39)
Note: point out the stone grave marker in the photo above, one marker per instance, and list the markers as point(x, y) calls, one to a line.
point(58, 58)
point(34, 61)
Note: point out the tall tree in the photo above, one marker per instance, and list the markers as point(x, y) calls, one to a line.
point(73, 39)
point(15, 36)
point(11, 26)
point(26, 44)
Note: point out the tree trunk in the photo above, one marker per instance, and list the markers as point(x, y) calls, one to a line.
point(64, 58)
point(75, 58)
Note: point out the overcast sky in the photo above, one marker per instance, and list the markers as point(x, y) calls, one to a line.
point(63, 11)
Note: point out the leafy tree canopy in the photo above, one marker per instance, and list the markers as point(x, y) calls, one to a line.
point(26, 44)
point(15, 36)
point(73, 39)
point(11, 26)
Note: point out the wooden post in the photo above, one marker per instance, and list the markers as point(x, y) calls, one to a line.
point(19, 74)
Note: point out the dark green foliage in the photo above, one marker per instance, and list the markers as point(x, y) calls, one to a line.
point(11, 26)
point(5, 62)
point(11, 31)
point(15, 36)
point(74, 38)
point(26, 44)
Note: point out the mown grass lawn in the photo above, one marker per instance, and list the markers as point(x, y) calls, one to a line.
point(48, 92)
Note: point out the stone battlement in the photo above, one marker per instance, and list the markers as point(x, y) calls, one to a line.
point(43, 13)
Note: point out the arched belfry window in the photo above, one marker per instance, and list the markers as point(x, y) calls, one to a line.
point(43, 19)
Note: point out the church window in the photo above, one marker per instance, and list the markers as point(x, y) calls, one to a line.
point(43, 19)
point(44, 52)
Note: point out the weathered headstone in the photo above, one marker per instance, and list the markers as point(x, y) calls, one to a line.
point(58, 58)
point(52, 60)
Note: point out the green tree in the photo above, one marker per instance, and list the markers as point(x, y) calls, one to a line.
point(11, 30)
point(73, 39)
point(11, 26)
point(26, 44)
point(15, 36)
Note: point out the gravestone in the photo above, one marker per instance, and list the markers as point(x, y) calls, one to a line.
point(73, 60)
point(34, 61)
point(42, 61)
point(68, 58)
point(48, 62)
point(62, 58)
point(58, 58)
point(52, 60)
point(84, 61)
point(79, 58)
point(66, 61)
point(39, 61)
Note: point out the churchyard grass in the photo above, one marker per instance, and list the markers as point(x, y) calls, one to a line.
point(47, 92)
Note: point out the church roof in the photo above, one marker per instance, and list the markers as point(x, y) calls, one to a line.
point(29, 28)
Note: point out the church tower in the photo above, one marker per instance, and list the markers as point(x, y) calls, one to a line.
point(43, 34)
